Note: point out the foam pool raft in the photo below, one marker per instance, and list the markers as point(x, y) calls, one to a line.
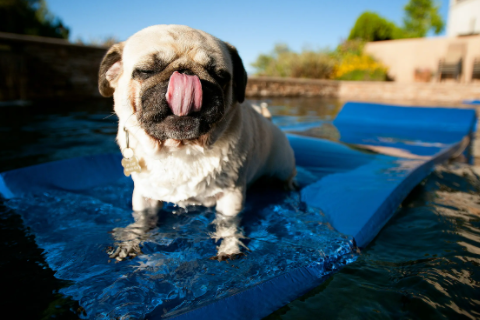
point(473, 102)
point(351, 185)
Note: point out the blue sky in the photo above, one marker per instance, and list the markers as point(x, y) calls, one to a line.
point(252, 26)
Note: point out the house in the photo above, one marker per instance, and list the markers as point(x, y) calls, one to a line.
point(463, 18)
point(407, 58)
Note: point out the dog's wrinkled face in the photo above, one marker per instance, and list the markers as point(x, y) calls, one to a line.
point(178, 82)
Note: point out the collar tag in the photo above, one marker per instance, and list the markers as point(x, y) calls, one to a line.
point(129, 161)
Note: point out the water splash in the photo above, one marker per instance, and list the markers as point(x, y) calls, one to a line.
point(174, 273)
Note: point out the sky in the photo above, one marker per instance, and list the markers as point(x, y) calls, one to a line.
point(254, 27)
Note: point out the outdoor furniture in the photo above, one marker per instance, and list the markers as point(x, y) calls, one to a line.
point(476, 69)
point(451, 65)
point(422, 75)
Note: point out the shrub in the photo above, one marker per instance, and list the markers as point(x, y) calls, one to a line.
point(350, 47)
point(347, 62)
point(283, 62)
point(354, 64)
point(360, 67)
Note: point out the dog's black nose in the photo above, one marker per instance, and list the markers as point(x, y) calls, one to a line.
point(186, 71)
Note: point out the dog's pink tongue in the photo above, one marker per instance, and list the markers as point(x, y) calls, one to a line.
point(184, 94)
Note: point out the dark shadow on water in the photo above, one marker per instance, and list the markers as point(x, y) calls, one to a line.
point(29, 287)
point(423, 264)
point(55, 130)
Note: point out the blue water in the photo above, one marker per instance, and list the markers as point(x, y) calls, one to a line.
point(174, 273)
point(423, 264)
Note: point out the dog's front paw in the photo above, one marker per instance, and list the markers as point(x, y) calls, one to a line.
point(229, 249)
point(124, 250)
point(225, 257)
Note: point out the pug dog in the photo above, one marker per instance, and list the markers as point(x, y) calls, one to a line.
point(179, 94)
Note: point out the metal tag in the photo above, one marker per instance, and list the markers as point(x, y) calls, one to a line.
point(129, 161)
point(130, 165)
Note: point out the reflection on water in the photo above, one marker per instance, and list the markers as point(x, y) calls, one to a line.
point(424, 264)
point(309, 108)
point(51, 131)
point(324, 130)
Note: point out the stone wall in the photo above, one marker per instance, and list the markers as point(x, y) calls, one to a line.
point(394, 91)
point(33, 68)
point(289, 87)
point(362, 90)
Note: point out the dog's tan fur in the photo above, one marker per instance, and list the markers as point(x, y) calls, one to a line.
point(214, 168)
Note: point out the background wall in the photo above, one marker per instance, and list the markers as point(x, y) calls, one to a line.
point(44, 68)
point(404, 56)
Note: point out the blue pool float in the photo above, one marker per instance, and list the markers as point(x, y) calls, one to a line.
point(351, 184)
point(473, 102)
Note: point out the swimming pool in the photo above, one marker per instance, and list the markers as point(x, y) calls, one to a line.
point(432, 275)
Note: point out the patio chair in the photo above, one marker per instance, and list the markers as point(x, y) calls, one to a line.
point(451, 66)
point(476, 69)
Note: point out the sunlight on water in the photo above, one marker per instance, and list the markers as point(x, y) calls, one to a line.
point(174, 272)
point(423, 265)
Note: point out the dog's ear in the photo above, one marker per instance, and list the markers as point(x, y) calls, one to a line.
point(239, 74)
point(110, 70)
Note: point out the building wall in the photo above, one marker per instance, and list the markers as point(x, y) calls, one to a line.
point(404, 56)
point(463, 18)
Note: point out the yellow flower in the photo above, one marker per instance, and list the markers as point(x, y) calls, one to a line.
point(362, 62)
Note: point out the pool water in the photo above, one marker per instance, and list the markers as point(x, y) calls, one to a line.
point(423, 264)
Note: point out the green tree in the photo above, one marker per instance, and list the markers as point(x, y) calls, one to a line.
point(30, 17)
point(372, 27)
point(422, 16)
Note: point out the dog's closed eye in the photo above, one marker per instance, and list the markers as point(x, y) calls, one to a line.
point(143, 74)
point(221, 76)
